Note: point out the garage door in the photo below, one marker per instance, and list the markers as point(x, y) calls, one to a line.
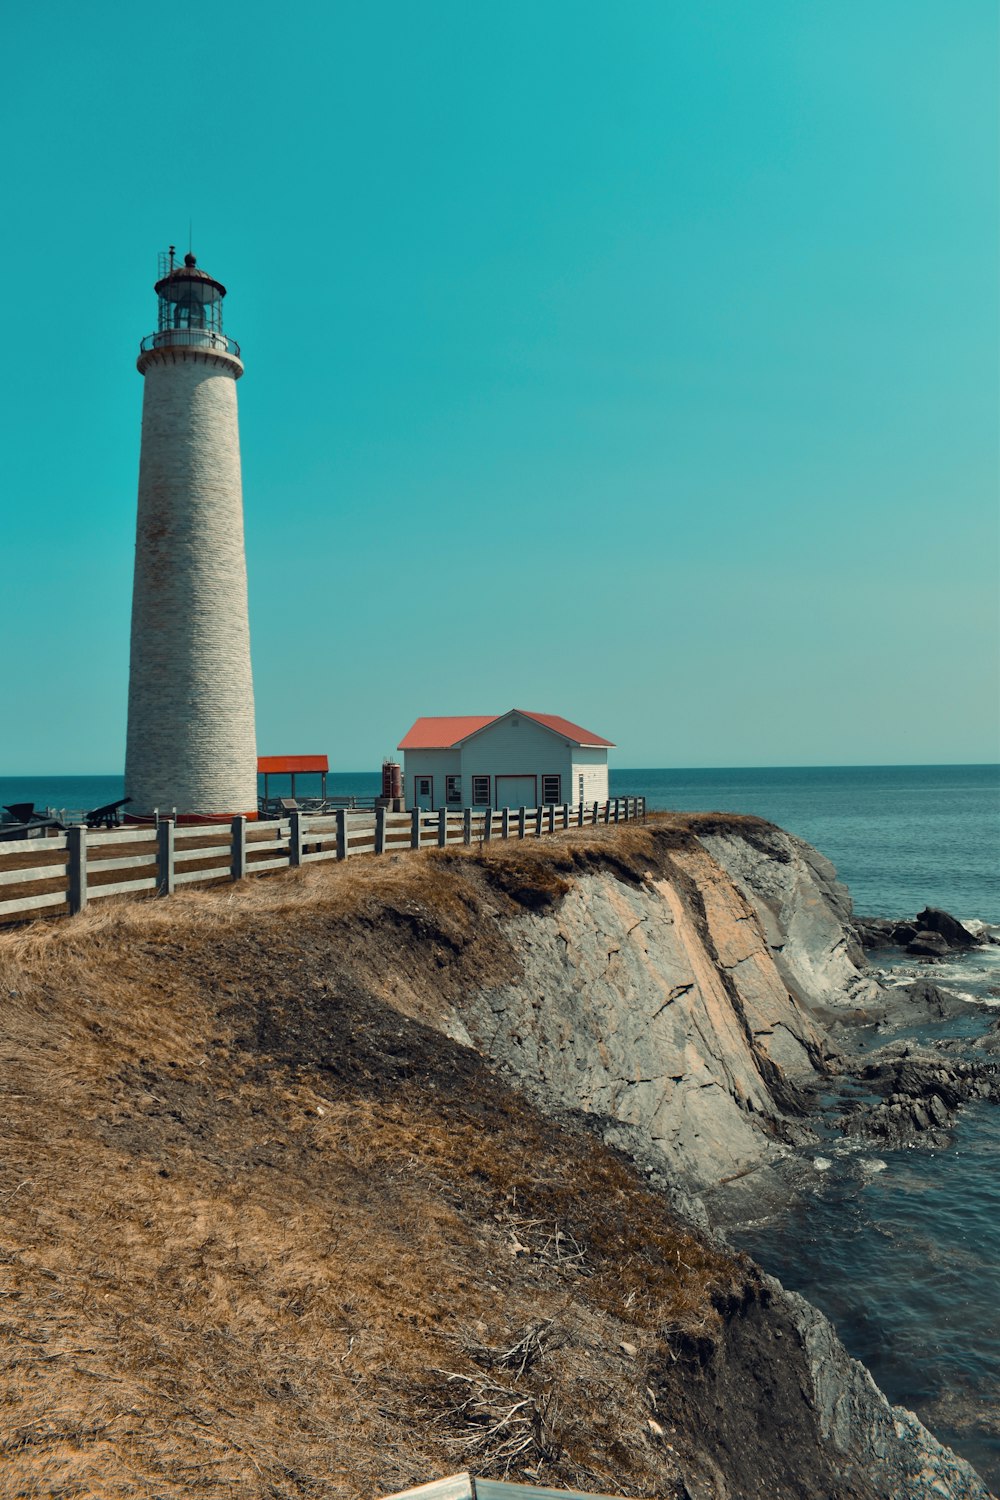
point(516, 791)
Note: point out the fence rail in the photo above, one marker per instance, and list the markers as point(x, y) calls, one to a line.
point(62, 875)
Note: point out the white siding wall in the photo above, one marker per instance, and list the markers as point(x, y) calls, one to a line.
point(515, 749)
point(592, 765)
point(436, 763)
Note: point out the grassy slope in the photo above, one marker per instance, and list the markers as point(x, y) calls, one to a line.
point(262, 1233)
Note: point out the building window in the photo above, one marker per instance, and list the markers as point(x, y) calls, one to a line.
point(453, 789)
point(480, 791)
point(580, 798)
point(551, 788)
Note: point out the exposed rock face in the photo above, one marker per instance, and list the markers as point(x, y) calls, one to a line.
point(621, 1011)
point(776, 1357)
point(886, 1444)
point(661, 1005)
point(804, 913)
point(687, 1009)
point(781, 1029)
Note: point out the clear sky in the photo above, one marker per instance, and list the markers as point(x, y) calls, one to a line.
point(635, 362)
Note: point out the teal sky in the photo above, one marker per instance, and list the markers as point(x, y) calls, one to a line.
point(636, 362)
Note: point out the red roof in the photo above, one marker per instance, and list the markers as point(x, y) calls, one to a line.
point(567, 729)
point(448, 733)
point(442, 734)
point(284, 764)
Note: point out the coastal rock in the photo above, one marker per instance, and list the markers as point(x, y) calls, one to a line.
point(886, 1444)
point(774, 1359)
point(931, 919)
point(990, 1041)
point(687, 1007)
point(931, 926)
point(804, 913)
point(875, 932)
point(927, 944)
point(625, 1009)
point(904, 1004)
point(781, 1029)
point(921, 1092)
point(922, 994)
point(883, 932)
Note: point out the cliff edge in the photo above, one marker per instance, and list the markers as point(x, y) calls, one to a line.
point(357, 1176)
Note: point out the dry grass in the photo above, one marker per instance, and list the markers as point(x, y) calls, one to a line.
point(263, 1234)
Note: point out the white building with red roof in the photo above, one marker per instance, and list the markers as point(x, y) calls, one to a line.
point(516, 759)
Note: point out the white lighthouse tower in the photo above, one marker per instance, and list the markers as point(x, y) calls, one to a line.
point(191, 743)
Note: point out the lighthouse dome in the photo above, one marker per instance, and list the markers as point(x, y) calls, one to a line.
point(189, 312)
point(190, 281)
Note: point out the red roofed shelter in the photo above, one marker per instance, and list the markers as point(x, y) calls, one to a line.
point(292, 766)
point(516, 759)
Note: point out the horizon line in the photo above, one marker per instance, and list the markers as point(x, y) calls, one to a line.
point(917, 765)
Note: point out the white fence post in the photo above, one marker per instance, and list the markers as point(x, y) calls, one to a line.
point(467, 826)
point(380, 830)
point(521, 816)
point(487, 823)
point(165, 858)
point(238, 851)
point(505, 823)
point(415, 828)
point(442, 827)
point(76, 843)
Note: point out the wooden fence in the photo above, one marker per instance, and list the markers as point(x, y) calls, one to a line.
point(58, 876)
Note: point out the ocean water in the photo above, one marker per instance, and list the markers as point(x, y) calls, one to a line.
point(902, 837)
point(900, 1249)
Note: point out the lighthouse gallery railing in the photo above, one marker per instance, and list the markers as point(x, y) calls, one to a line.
point(190, 338)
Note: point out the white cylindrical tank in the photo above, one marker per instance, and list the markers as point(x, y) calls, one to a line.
point(191, 741)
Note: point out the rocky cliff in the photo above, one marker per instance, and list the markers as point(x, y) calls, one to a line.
point(679, 990)
point(355, 1177)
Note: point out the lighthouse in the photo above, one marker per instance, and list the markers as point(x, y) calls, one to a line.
point(191, 744)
